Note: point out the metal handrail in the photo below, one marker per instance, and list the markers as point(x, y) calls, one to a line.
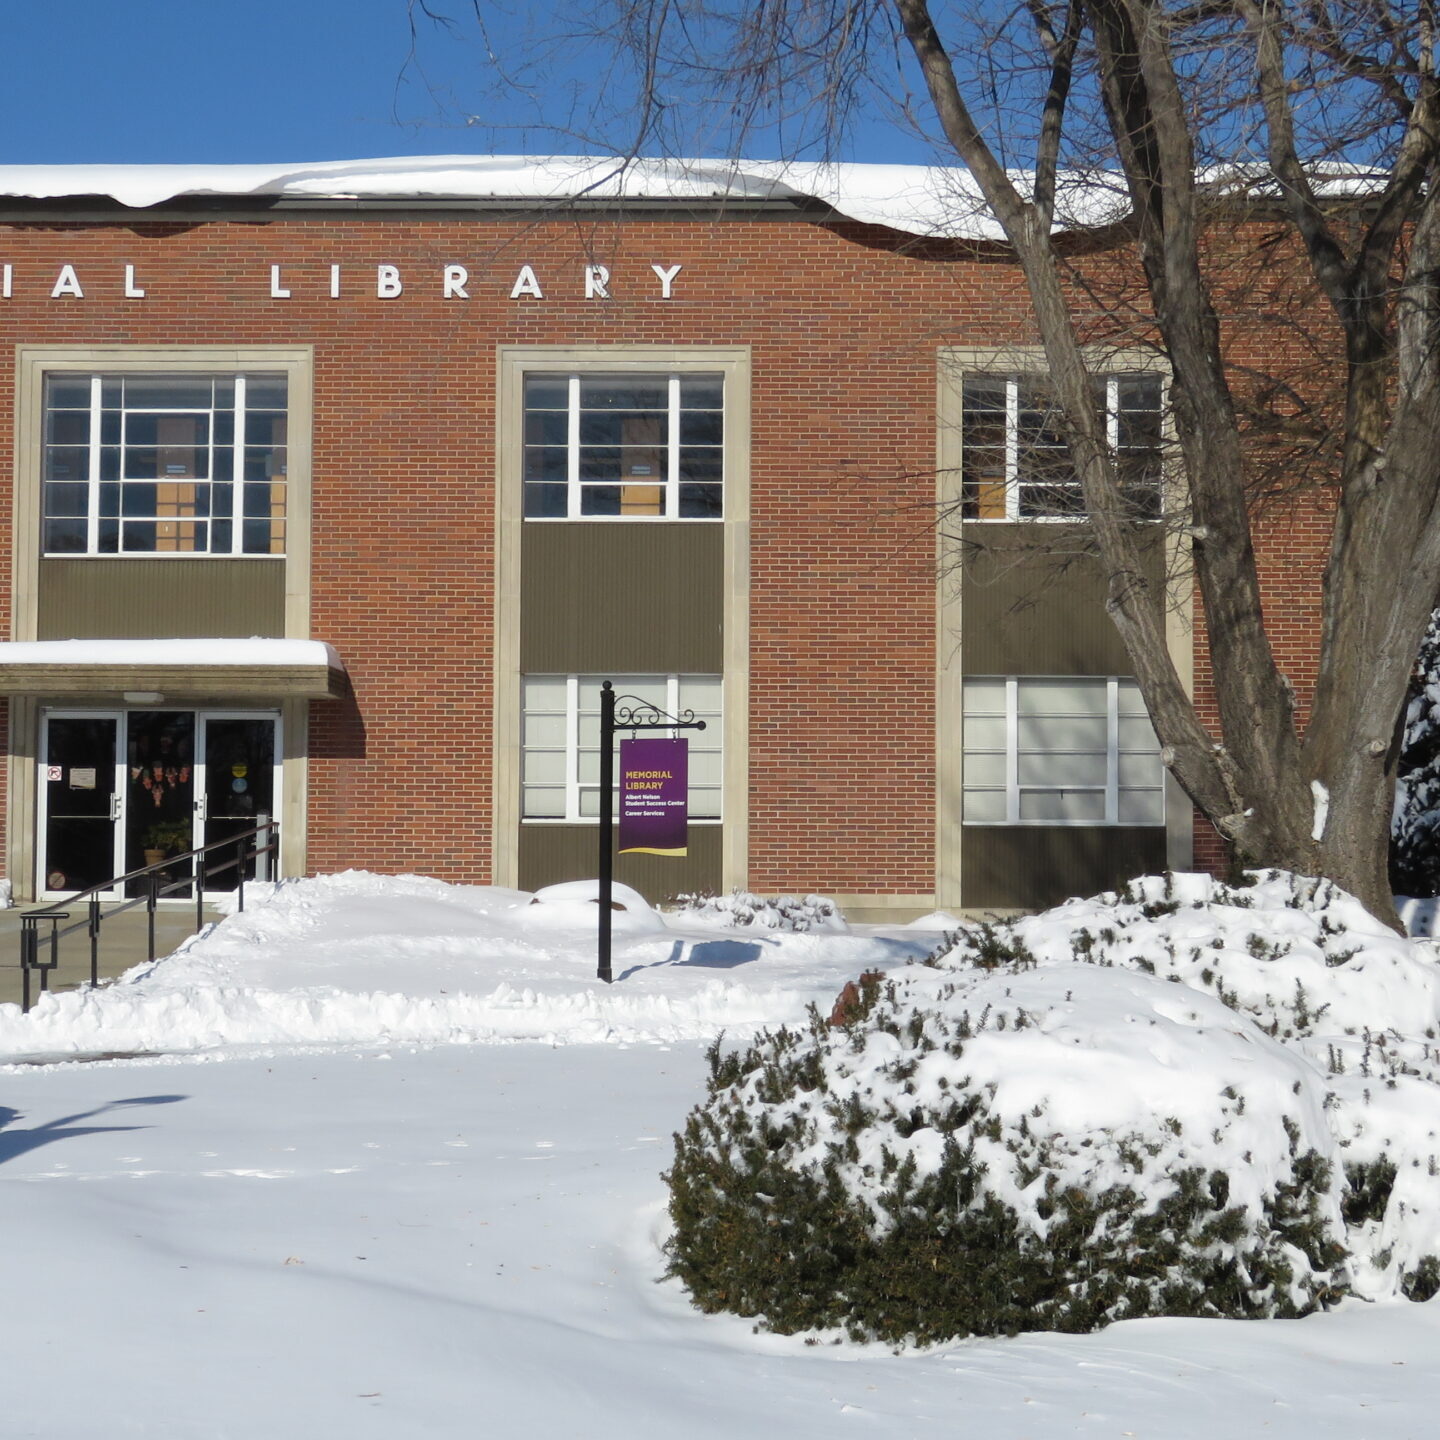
point(155, 890)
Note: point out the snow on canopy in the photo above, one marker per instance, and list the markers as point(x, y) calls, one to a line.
point(257, 650)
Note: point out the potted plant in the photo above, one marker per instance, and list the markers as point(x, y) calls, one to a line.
point(165, 836)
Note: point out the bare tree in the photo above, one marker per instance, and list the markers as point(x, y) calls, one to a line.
point(1323, 111)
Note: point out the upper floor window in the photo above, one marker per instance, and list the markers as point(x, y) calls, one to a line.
point(1014, 461)
point(626, 447)
point(138, 463)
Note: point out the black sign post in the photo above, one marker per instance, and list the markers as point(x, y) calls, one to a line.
point(642, 715)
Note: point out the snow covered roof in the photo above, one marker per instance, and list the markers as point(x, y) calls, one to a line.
point(931, 201)
point(203, 667)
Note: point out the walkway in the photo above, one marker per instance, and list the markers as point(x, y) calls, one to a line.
point(122, 944)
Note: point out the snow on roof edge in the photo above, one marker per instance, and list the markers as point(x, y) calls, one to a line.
point(931, 201)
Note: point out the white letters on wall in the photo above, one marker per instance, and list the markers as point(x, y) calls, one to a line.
point(526, 284)
point(456, 282)
point(67, 283)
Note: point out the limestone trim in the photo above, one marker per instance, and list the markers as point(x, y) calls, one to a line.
point(512, 364)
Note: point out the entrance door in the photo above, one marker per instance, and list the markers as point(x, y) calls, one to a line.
point(123, 790)
point(237, 784)
point(81, 800)
point(159, 793)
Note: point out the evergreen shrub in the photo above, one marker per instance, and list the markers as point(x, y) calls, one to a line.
point(740, 910)
point(1415, 830)
point(987, 1144)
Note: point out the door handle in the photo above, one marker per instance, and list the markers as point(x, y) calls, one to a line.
point(115, 805)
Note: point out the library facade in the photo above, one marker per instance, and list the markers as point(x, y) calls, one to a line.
point(335, 501)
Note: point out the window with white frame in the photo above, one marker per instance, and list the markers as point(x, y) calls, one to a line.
point(1063, 751)
point(1014, 461)
point(560, 765)
point(624, 447)
point(138, 463)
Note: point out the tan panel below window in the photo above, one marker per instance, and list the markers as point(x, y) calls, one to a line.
point(642, 500)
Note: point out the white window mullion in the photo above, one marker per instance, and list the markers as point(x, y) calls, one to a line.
point(1112, 414)
point(572, 747)
point(672, 451)
point(237, 473)
point(92, 502)
point(572, 449)
point(1012, 750)
point(672, 699)
point(1112, 751)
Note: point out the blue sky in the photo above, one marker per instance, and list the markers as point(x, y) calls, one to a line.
point(147, 81)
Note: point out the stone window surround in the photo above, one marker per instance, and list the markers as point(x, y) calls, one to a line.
point(513, 363)
point(952, 365)
point(32, 364)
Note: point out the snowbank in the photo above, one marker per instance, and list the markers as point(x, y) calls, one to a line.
point(358, 958)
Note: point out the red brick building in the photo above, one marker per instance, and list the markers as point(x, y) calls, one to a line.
point(492, 434)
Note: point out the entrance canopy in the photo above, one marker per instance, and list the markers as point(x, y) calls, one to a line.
point(154, 669)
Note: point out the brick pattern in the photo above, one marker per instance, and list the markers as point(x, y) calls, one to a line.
point(844, 324)
point(844, 338)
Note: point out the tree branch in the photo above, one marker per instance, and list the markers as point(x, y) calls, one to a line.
point(1061, 51)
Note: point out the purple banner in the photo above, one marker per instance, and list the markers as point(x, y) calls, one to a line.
point(654, 781)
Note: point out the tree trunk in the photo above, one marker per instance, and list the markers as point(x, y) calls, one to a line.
point(1321, 805)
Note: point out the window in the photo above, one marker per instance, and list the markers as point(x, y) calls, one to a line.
point(139, 463)
point(624, 447)
point(1014, 462)
point(1060, 752)
point(560, 768)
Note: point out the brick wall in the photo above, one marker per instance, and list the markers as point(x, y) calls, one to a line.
point(843, 337)
point(844, 325)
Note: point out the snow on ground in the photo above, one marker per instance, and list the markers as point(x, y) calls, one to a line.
point(311, 1216)
point(352, 958)
point(1419, 916)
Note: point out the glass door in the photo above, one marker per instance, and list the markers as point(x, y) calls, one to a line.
point(238, 783)
point(123, 790)
point(80, 801)
point(159, 793)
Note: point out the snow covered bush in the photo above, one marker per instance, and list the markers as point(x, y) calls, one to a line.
point(1183, 1099)
point(1415, 833)
point(740, 910)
